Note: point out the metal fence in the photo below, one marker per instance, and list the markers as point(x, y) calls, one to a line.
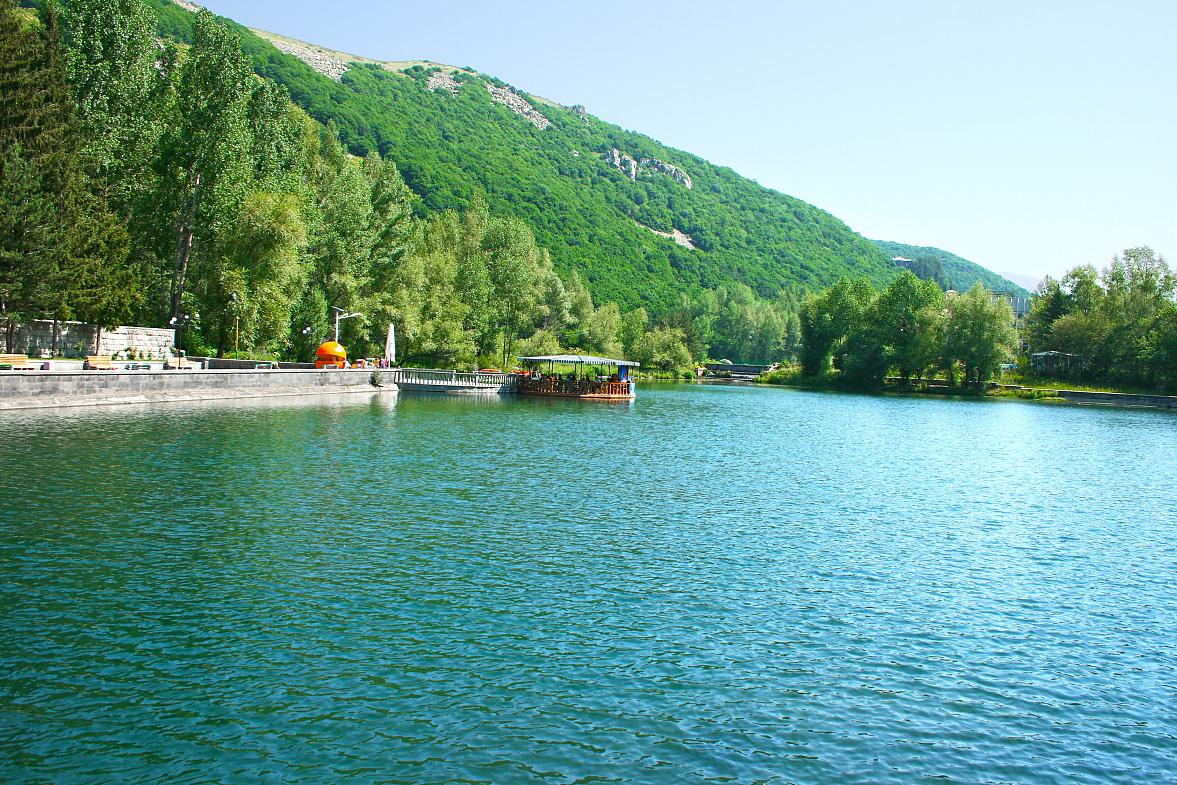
point(409, 378)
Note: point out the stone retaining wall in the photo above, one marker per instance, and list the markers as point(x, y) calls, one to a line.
point(75, 339)
point(31, 389)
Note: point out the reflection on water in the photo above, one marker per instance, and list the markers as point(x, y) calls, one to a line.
point(711, 584)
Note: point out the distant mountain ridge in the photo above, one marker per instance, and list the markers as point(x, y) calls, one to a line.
point(641, 222)
point(962, 274)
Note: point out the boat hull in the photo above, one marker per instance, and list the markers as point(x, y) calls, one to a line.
point(586, 396)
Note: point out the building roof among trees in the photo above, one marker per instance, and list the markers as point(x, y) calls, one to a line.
point(577, 359)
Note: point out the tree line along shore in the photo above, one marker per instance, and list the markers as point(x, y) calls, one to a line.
point(1112, 330)
point(153, 182)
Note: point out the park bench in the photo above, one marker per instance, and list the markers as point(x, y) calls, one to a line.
point(179, 363)
point(15, 362)
point(99, 362)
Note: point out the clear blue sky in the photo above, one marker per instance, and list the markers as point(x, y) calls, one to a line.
point(1027, 136)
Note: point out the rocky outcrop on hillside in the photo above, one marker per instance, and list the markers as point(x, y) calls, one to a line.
point(315, 58)
point(517, 104)
point(631, 168)
point(328, 66)
point(622, 163)
point(682, 238)
point(658, 165)
point(441, 80)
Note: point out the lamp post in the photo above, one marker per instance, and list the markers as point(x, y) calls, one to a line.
point(340, 316)
point(236, 326)
point(179, 323)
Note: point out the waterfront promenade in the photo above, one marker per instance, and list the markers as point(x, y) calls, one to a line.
point(53, 389)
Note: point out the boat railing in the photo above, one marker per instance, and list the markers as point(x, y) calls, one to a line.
point(554, 385)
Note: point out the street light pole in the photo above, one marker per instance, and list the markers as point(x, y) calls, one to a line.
point(179, 323)
point(236, 327)
point(339, 316)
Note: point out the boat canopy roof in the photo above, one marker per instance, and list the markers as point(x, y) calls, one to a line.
point(577, 359)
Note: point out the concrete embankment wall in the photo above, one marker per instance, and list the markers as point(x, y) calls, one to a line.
point(37, 389)
point(1119, 399)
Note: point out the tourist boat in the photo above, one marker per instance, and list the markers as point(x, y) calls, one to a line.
point(569, 376)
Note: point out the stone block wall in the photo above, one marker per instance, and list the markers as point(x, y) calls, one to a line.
point(75, 339)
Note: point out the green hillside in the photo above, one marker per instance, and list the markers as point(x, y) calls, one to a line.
point(960, 274)
point(561, 180)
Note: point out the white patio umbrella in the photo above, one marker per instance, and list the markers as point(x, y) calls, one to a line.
point(390, 345)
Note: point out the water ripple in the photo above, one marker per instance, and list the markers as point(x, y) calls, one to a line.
point(714, 584)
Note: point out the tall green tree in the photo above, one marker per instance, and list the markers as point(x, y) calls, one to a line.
point(633, 326)
point(897, 316)
point(75, 266)
point(663, 349)
point(1049, 304)
point(28, 226)
point(828, 319)
point(207, 165)
point(979, 334)
point(1085, 335)
point(513, 266)
point(112, 57)
point(474, 285)
point(1140, 288)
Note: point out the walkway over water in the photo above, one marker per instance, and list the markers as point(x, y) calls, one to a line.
point(736, 369)
point(433, 380)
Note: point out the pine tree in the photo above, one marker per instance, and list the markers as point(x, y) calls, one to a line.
point(31, 224)
point(63, 251)
point(27, 225)
point(92, 281)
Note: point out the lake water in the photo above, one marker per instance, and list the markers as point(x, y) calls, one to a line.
point(712, 584)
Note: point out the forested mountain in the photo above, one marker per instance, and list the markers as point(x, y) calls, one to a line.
point(166, 166)
point(957, 273)
point(150, 181)
point(453, 130)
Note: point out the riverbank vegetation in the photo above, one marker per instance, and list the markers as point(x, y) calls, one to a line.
point(1114, 328)
point(854, 336)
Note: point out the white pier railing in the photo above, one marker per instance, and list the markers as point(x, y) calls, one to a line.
point(441, 380)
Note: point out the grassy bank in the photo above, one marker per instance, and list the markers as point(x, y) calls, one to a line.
point(1026, 379)
point(1010, 386)
point(793, 377)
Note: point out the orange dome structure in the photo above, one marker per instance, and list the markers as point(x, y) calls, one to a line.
point(331, 355)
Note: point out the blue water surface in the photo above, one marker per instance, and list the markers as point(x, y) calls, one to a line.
point(712, 584)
